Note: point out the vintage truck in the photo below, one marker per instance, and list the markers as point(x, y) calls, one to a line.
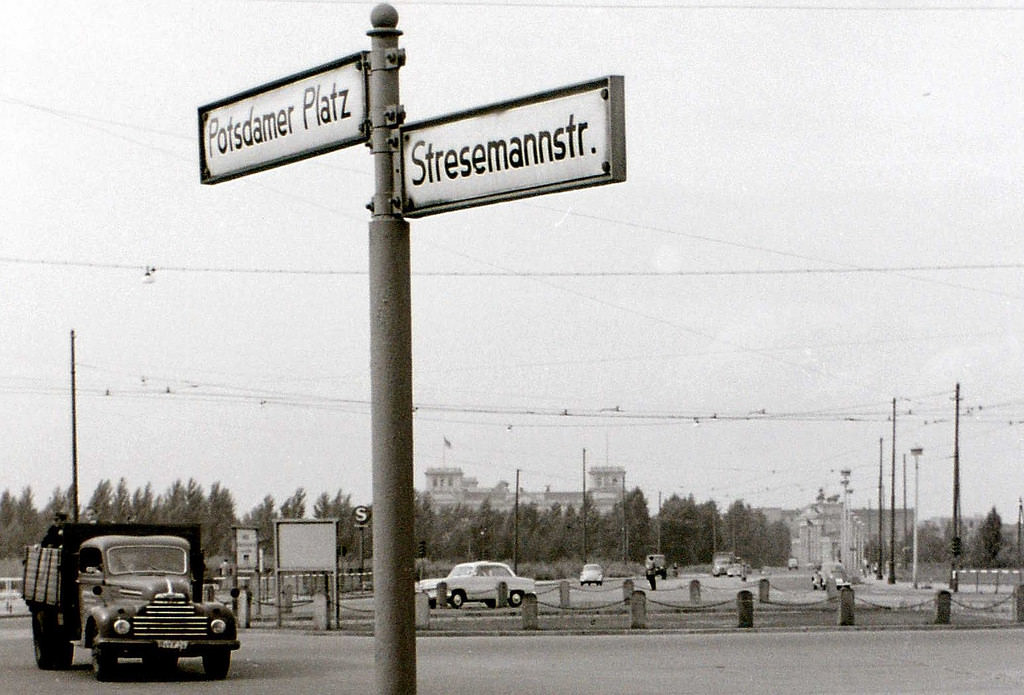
point(124, 590)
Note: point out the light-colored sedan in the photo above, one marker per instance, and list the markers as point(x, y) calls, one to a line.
point(478, 581)
point(592, 573)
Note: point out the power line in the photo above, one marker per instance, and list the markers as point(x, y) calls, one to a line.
point(13, 260)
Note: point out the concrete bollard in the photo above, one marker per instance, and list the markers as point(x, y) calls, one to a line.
point(695, 591)
point(638, 610)
point(846, 605)
point(627, 589)
point(563, 594)
point(763, 587)
point(442, 595)
point(321, 621)
point(244, 608)
point(530, 621)
point(942, 607)
point(502, 597)
point(422, 611)
point(745, 609)
point(1018, 603)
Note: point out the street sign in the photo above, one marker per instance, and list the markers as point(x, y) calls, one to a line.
point(303, 115)
point(361, 515)
point(568, 138)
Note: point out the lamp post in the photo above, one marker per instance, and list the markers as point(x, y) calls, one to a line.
point(916, 453)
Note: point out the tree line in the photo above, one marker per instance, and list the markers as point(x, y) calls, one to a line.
point(685, 531)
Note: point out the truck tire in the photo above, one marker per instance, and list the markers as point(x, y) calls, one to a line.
point(52, 652)
point(103, 664)
point(216, 664)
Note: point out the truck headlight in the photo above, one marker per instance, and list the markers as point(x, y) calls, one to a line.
point(218, 626)
point(122, 626)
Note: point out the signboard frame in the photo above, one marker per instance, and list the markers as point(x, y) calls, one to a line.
point(615, 146)
point(359, 59)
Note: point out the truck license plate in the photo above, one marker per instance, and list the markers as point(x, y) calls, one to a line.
point(177, 645)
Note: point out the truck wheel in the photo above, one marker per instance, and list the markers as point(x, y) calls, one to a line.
point(103, 664)
point(51, 652)
point(515, 599)
point(458, 598)
point(216, 664)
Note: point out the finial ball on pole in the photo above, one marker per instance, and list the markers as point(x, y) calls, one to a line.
point(384, 16)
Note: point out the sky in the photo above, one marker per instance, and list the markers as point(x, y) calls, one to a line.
point(822, 214)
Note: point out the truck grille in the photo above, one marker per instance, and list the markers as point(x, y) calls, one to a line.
point(169, 619)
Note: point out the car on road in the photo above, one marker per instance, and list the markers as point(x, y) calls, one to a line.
point(792, 564)
point(836, 572)
point(592, 573)
point(738, 569)
point(478, 581)
point(720, 563)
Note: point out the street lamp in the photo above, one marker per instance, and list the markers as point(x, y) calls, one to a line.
point(916, 453)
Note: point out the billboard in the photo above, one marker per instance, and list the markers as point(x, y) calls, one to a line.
point(306, 546)
point(563, 139)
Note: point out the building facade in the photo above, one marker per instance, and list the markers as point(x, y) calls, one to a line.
point(448, 486)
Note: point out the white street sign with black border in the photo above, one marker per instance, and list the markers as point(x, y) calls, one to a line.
point(303, 115)
point(573, 137)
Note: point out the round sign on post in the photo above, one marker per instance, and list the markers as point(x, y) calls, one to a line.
point(361, 515)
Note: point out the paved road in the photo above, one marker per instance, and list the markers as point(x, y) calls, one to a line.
point(858, 661)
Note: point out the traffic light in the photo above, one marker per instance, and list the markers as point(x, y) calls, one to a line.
point(421, 549)
point(957, 547)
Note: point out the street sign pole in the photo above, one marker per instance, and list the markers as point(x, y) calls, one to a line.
point(390, 373)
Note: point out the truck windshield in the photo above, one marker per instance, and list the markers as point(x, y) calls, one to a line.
point(147, 559)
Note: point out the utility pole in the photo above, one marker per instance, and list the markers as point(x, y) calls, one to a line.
point(74, 436)
point(881, 509)
point(584, 506)
point(659, 521)
point(916, 453)
point(515, 544)
point(394, 555)
point(1020, 518)
point(625, 530)
point(892, 503)
point(954, 581)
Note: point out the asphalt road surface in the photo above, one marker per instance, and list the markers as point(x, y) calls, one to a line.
point(823, 661)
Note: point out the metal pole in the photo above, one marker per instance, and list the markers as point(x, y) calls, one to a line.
point(916, 453)
point(74, 436)
point(881, 511)
point(584, 506)
point(954, 582)
point(515, 544)
point(394, 556)
point(892, 503)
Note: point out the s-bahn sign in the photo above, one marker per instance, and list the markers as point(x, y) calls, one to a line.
point(306, 114)
point(568, 138)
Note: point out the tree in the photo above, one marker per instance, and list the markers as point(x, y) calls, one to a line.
point(987, 541)
point(295, 506)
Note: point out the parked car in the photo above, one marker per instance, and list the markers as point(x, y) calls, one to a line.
point(792, 564)
point(478, 581)
point(592, 573)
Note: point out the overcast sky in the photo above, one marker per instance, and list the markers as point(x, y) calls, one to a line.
point(823, 212)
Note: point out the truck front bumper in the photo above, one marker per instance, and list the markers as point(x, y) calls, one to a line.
point(134, 648)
